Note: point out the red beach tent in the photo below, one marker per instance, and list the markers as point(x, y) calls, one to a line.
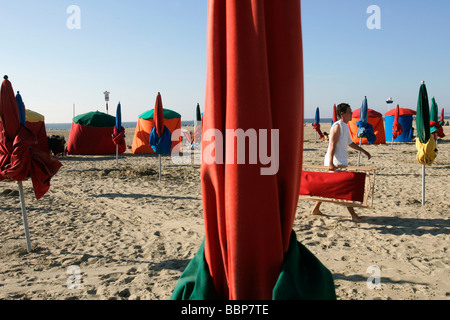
point(91, 134)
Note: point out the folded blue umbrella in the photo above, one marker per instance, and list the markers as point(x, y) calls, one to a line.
point(163, 144)
point(365, 130)
point(317, 117)
point(119, 118)
point(21, 107)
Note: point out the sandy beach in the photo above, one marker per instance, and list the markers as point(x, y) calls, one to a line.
point(131, 236)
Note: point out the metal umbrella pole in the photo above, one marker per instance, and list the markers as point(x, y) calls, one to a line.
point(159, 167)
point(24, 216)
point(359, 152)
point(423, 185)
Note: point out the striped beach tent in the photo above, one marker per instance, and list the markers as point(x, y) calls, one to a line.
point(144, 126)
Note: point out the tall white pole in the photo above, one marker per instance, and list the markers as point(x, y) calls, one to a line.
point(159, 167)
point(423, 185)
point(24, 216)
point(359, 152)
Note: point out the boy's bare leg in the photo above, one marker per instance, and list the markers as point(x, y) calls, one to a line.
point(355, 217)
point(316, 210)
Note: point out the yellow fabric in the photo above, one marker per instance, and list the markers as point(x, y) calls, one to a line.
point(32, 116)
point(426, 152)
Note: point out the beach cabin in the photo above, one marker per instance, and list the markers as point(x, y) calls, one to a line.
point(91, 134)
point(375, 119)
point(36, 123)
point(406, 121)
point(141, 140)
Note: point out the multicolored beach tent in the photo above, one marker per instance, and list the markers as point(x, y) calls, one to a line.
point(406, 121)
point(144, 126)
point(375, 119)
point(91, 134)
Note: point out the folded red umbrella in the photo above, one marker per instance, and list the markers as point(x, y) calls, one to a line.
point(158, 117)
point(118, 137)
point(437, 129)
point(20, 158)
point(397, 129)
point(316, 127)
point(335, 119)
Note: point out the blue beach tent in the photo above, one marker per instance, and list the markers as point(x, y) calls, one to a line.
point(405, 119)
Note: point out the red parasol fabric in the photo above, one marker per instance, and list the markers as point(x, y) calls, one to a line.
point(9, 110)
point(158, 117)
point(437, 129)
point(441, 119)
point(334, 114)
point(19, 158)
point(254, 81)
point(336, 185)
point(118, 137)
point(397, 129)
point(316, 126)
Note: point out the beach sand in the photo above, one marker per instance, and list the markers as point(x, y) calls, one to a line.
point(131, 236)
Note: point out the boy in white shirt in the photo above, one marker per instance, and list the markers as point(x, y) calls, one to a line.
point(337, 153)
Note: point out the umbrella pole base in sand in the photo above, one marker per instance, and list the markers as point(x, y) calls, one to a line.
point(359, 152)
point(423, 185)
point(159, 167)
point(24, 216)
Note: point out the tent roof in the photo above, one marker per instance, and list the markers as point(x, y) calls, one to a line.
point(33, 116)
point(403, 112)
point(168, 114)
point(95, 119)
point(372, 113)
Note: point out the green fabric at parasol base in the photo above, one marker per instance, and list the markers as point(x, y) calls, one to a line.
point(303, 277)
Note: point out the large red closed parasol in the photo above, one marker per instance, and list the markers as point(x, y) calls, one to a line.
point(254, 88)
point(20, 158)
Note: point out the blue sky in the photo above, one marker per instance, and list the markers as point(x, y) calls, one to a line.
point(135, 49)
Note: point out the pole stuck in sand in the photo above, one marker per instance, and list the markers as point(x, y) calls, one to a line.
point(24, 216)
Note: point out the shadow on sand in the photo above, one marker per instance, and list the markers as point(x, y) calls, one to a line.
point(409, 226)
